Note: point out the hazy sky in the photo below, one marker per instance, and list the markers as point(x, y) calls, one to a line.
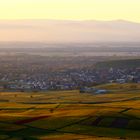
point(71, 9)
point(69, 20)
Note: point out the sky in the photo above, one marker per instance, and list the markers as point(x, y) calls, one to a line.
point(69, 20)
point(70, 9)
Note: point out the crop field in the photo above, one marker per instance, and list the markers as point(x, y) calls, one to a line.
point(70, 115)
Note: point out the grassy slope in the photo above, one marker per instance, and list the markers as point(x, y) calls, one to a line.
point(70, 115)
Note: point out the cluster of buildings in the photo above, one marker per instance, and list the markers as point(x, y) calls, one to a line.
point(93, 90)
point(67, 79)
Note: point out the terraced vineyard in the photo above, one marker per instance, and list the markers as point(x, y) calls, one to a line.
point(69, 115)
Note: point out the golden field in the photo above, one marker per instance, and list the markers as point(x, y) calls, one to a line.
point(70, 115)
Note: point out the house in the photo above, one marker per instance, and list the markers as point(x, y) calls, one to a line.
point(87, 90)
point(92, 90)
point(121, 81)
point(101, 91)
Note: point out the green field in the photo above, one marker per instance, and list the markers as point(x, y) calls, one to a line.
point(70, 115)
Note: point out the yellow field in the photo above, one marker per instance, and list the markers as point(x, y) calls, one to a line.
point(68, 115)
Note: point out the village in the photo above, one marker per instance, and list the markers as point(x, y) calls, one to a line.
point(69, 79)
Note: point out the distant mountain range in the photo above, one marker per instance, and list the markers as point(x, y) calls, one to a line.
point(69, 31)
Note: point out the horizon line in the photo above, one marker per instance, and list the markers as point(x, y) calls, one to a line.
point(69, 42)
point(108, 20)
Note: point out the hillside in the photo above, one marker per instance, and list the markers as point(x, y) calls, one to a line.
point(70, 115)
point(133, 63)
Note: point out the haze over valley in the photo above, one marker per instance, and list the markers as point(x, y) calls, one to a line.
point(69, 31)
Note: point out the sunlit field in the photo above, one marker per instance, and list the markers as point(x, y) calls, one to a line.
point(70, 115)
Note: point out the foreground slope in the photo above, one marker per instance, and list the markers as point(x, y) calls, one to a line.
point(71, 115)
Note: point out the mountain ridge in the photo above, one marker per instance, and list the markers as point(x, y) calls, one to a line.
point(69, 31)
